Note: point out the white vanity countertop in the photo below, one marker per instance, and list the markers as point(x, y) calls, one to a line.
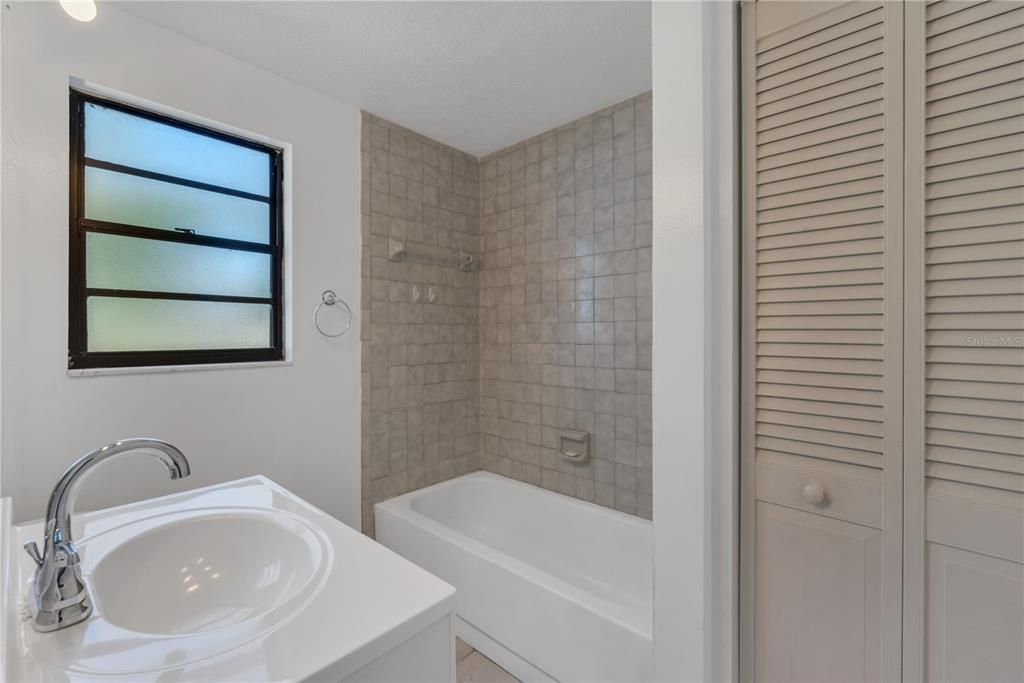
point(315, 598)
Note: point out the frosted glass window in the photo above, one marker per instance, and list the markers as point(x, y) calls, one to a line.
point(121, 138)
point(120, 324)
point(176, 242)
point(116, 262)
point(122, 198)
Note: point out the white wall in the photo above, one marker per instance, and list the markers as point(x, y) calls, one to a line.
point(297, 424)
point(3, 13)
point(695, 485)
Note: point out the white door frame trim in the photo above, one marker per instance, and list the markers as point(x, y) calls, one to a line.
point(695, 394)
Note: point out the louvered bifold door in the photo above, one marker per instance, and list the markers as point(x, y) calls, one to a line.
point(823, 334)
point(965, 341)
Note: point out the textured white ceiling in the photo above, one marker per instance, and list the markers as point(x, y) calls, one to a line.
point(476, 75)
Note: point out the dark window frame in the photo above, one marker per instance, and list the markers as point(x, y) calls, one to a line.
point(79, 357)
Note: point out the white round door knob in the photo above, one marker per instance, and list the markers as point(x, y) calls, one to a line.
point(813, 493)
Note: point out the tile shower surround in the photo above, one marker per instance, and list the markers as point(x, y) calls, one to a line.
point(420, 360)
point(553, 333)
point(565, 306)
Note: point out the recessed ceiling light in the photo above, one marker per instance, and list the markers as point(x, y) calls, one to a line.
point(82, 10)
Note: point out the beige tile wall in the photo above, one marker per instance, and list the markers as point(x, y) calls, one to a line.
point(420, 414)
point(565, 306)
point(553, 332)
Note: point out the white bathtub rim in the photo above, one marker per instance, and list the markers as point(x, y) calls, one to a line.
point(602, 510)
point(524, 570)
point(608, 610)
point(401, 508)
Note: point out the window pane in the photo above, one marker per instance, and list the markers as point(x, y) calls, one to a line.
point(116, 324)
point(117, 262)
point(120, 138)
point(121, 198)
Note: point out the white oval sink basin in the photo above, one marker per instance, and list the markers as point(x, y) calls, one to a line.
point(199, 574)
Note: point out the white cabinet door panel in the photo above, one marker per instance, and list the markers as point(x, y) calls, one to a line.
point(819, 598)
point(975, 617)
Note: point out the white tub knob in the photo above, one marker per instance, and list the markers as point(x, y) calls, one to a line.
point(813, 493)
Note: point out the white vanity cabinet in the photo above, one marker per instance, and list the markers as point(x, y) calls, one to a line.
point(427, 657)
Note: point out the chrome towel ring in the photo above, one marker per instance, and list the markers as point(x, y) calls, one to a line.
point(329, 298)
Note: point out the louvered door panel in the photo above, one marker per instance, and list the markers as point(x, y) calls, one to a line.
point(965, 340)
point(820, 242)
point(823, 386)
point(973, 220)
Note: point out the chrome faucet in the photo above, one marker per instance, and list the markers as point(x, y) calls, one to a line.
point(59, 595)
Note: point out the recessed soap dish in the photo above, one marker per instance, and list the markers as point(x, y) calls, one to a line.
point(574, 446)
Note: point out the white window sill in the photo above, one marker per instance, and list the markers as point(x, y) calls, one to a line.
point(161, 369)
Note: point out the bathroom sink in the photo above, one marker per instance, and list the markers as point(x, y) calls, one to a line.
point(240, 581)
point(205, 572)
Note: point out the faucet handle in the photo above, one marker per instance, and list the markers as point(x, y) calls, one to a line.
point(33, 551)
point(65, 555)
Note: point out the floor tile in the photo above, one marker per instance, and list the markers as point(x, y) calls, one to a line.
point(462, 650)
point(476, 668)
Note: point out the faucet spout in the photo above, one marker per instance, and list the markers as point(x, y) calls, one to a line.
point(60, 595)
point(65, 493)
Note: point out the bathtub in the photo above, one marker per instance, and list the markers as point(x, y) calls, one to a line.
point(549, 587)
